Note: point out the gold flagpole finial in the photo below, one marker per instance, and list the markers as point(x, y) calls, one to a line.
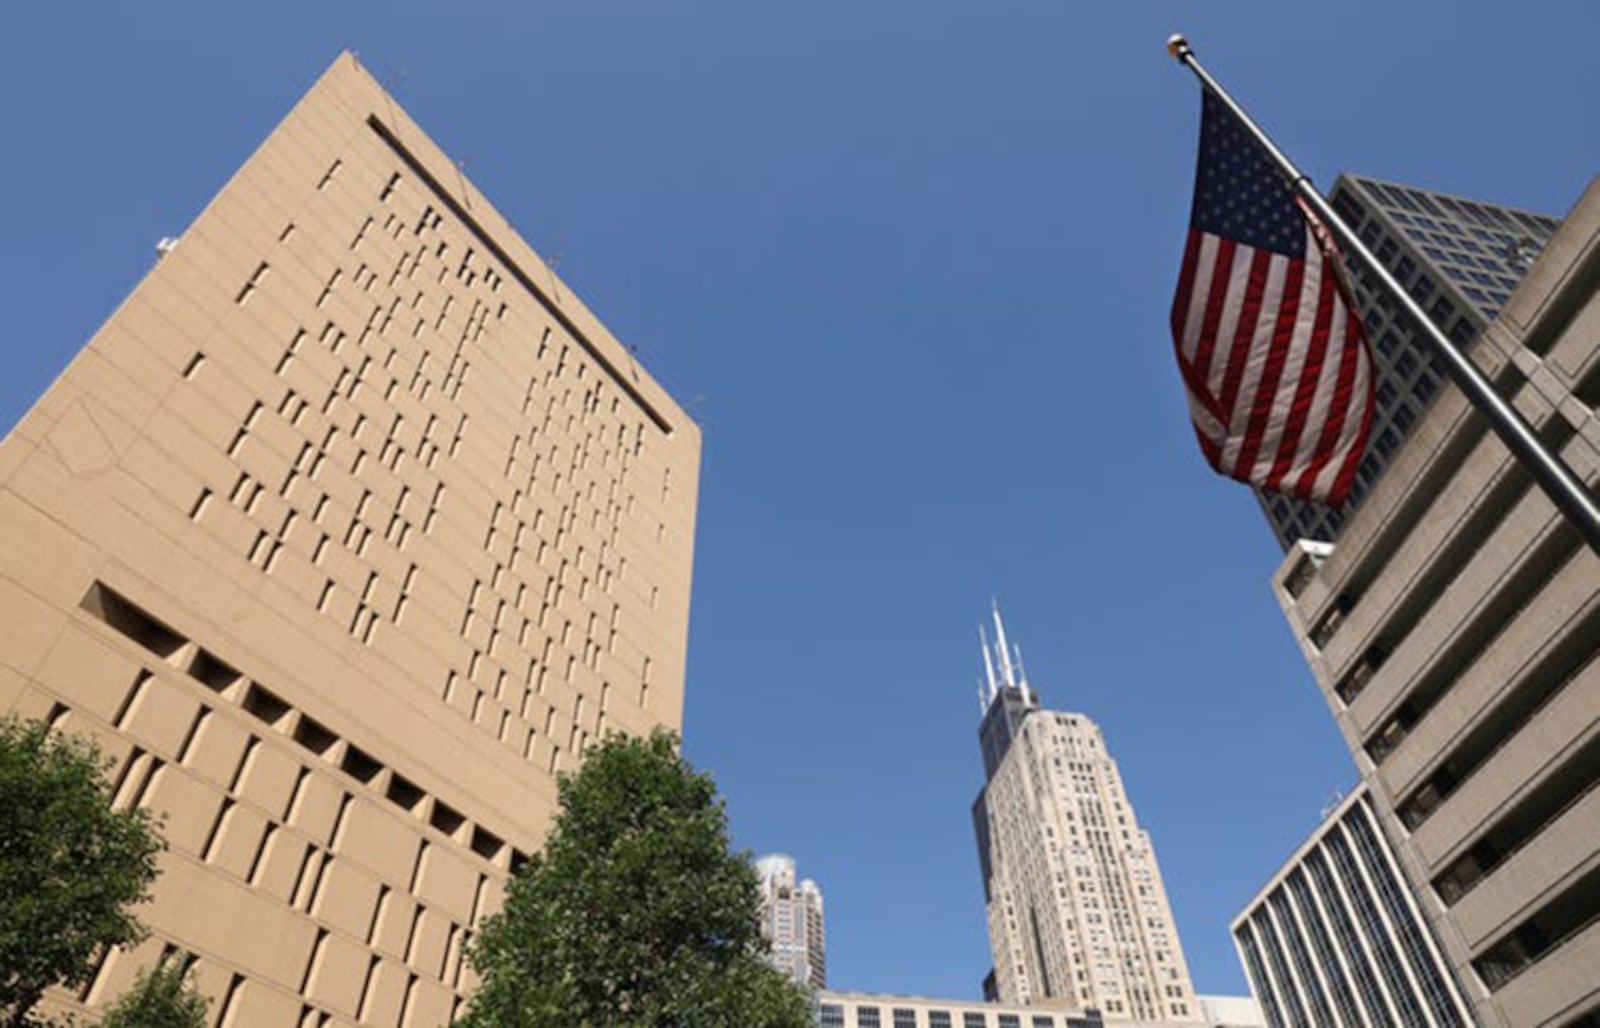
point(1178, 46)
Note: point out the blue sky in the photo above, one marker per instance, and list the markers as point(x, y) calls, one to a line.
point(909, 266)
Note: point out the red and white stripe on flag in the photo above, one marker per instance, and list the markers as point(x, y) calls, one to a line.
point(1275, 362)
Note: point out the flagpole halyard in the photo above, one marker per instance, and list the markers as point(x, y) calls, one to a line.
point(1558, 481)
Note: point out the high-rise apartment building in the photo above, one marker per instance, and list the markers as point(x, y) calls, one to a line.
point(1078, 916)
point(348, 530)
point(1337, 940)
point(1460, 260)
point(1454, 629)
point(791, 921)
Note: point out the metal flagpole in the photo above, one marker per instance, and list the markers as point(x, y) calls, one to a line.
point(1563, 487)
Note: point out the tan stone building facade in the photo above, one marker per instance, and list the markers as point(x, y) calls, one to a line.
point(348, 531)
point(1454, 630)
point(1077, 911)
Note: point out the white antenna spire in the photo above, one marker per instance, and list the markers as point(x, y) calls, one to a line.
point(983, 700)
point(1007, 672)
point(988, 661)
point(1022, 674)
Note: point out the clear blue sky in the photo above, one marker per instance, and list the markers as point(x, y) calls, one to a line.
point(908, 264)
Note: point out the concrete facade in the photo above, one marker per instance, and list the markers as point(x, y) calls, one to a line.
point(1078, 915)
point(348, 531)
point(1231, 1012)
point(1336, 939)
point(1460, 259)
point(792, 921)
point(1453, 630)
point(882, 1010)
point(879, 1010)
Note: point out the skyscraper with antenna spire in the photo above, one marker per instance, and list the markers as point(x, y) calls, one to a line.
point(1078, 916)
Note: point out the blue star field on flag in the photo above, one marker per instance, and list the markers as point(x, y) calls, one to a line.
point(1238, 193)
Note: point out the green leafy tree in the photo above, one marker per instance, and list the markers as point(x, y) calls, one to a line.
point(636, 915)
point(162, 997)
point(71, 868)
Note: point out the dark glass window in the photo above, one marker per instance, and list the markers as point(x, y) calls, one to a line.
point(1343, 997)
point(1423, 965)
point(1349, 941)
point(1367, 915)
point(1280, 969)
point(1320, 1014)
point(1258, 977)
point(1349, 208)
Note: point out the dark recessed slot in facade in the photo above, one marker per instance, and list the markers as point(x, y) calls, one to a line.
point(359, 765)
point(116, 611)
point(486, 844)
point(446, 819)
point(213, 672)
point(404, 793)
point(265, 705)
point(313, 736)
point(1557, 922)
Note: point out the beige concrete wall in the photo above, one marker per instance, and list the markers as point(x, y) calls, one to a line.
point(922, 1012)
point(348, 531)
point(1454, 632)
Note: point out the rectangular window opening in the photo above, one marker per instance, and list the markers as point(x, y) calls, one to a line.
point(486, 844)
point(402, 792)
point(116, 611)
point(213, 673)
point(313, 736)
point(359, 765)
point(446, 819)
point(264, 705)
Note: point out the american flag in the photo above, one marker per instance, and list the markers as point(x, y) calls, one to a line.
point(1272, 354)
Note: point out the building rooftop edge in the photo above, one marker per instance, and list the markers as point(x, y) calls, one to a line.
point(1357, 792)
point(349, 80)
point(1360, 177)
